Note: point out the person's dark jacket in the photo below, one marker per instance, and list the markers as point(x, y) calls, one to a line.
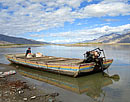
point(27, 52)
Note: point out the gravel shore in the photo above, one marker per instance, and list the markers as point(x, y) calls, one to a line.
point(15, 88)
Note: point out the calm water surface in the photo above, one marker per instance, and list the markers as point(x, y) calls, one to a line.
point(92, 88)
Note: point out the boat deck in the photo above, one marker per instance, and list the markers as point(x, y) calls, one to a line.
point(49, 59)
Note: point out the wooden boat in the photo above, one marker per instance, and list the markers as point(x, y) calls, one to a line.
point(66, 66)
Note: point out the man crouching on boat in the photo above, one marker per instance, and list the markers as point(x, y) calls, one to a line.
point(28, 53)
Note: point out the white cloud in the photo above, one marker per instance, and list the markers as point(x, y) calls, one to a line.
point(111, 20)
point(61, 41)
point(37, 35)
point(115, 1)
point(22, 16)
point(90, 0)
point(43, 40)
point(79, 24)
point(70, 3)
point(105, 9)
point(89, 34)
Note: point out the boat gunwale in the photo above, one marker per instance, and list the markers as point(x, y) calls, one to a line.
point(74, 62)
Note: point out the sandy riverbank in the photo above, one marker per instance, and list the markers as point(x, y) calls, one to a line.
point(92, 44)
point(78, 44)
point(15, 88)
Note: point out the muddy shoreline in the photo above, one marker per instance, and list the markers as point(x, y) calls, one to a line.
point(15, 88)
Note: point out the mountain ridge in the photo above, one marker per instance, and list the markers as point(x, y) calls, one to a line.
point(18, 40)
point(112, 38)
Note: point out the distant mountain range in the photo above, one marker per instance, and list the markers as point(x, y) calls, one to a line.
point(4, 39)
point(109, 38)
point(112, 38)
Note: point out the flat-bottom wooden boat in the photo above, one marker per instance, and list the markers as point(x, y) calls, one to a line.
point(67, 66)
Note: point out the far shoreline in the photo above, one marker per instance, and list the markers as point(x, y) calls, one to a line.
point(19, 45)
point(92, 44)
point(73, 45)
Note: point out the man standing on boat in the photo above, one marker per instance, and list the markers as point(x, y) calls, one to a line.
point(28, 51)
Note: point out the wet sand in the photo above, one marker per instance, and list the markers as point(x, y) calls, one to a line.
point(15, 88)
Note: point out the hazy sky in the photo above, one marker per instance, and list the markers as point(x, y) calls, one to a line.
point(63, 21)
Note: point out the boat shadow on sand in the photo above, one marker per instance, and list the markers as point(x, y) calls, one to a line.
point(91, 85)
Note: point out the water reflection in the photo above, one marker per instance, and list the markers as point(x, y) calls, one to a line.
point(120, 53)
point(90, 85)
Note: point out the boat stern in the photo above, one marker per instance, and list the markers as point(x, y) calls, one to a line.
point(107, 63)
point(86, 67)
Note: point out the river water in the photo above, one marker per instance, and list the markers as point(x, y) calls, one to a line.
point(91, 88)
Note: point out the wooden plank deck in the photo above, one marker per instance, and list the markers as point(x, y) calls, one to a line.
point(50, 59)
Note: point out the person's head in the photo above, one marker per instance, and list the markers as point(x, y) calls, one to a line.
point(29, 48)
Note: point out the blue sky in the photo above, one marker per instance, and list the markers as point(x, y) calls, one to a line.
point(64, 21)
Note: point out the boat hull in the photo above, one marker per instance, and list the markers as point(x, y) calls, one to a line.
point(66, 69)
